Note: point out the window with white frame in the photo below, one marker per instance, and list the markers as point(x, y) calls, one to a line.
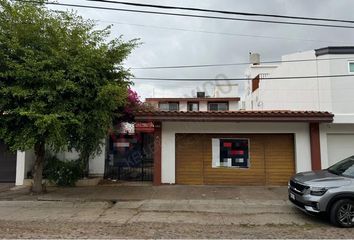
point(351, 67)
point(169, 106)
point(193, 106)
point(218, 106)
point(230, 152)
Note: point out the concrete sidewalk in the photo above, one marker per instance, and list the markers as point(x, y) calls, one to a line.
point(205, 212)
point(165, 204)
point(168, 192)
point(154, 212)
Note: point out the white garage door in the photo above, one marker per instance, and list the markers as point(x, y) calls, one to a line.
point(340, 146)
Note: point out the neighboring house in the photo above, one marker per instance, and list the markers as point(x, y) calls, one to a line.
point(200, 103)
point(332, 94)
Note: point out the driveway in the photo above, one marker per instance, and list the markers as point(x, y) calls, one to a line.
point(160, 212)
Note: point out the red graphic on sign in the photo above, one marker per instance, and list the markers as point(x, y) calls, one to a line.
point(237, 152)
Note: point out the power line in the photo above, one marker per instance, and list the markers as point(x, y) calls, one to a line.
point(196, 16)
point(239, 79)
point(223, 11)
point(223, 33)
point(234, 64)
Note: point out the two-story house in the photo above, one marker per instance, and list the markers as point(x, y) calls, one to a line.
point(210, 140)
point(316, 80)
point(199, 103)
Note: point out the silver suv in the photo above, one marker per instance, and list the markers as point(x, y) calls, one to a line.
point(329, 191)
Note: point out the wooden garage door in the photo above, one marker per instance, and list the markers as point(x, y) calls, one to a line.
point(271, 160)
point(190, 154)
point(7, 164)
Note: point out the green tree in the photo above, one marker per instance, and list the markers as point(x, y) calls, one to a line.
point(61, 81)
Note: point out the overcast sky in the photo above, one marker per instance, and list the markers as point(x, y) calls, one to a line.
point(165, 47)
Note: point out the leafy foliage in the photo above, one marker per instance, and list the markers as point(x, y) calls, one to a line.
point(61, 80)
point(62, 173)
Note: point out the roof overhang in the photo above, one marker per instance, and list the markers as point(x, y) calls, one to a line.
point(206, 99)
point(335, 50)
point(234, 116)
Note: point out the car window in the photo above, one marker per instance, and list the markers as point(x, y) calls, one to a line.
point(344, 167)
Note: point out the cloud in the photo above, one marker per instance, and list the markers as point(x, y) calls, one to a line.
point(162, 47)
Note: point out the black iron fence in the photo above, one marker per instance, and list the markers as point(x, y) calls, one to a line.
point(130, 158)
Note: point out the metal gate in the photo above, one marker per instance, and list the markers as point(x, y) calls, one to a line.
point(130, 157)
point(7, 164)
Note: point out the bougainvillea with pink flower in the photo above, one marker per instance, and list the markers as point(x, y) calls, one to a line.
point(133, 104)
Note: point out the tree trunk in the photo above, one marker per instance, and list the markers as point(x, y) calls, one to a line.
point(39, 150)
point(84, 157)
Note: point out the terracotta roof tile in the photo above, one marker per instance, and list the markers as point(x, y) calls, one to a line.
point(236, 116)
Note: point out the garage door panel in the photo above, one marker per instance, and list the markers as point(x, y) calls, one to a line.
point(234, 176)
point(279, 156)
point(271, 160)
point(189, 159)
point(340, 146)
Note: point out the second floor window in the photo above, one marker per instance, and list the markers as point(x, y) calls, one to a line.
point(193, 107)
point(169, 106)
point(220, 106)
point(351, 67)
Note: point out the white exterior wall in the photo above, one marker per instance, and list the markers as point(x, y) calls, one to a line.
point(24, 164)
point(169, 130)
point(234, 106)
point(183, 106)
point(319, 94)
point(20, 168)
point(203, 106)
point(341, 88)
point(251, 99)
point(96, 163)
point(294, 94)
point(25, 161)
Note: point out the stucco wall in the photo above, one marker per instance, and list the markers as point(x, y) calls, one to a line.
point(319, 94)
point(234, 105)
point(96, 163)
point(24, 164)
point(169, 129)
point(341, 88)
point(25, 161)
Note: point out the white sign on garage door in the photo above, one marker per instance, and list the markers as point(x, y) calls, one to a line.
point(340, 146)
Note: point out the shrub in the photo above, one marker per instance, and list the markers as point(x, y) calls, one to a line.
point(62, 173)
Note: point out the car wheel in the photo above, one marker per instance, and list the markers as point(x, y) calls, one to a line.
point(342, 213)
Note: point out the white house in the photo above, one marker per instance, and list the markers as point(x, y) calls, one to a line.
point(209, 140)
point(325, 83)
point(214, 142)
point(287, 127)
